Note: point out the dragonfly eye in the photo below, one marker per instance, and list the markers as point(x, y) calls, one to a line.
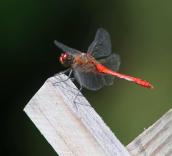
point(66, 59)
point(63, 57)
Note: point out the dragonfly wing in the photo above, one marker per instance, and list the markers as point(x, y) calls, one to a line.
point(93, 80)
point(101, 46)
point(112, 62)
point(66, 48)
point(89, 80)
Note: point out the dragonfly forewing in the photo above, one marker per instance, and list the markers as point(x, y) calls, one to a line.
point(101, 45)
point(65, 48)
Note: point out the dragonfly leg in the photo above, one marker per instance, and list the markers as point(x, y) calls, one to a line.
point(75, 102)
point(63, 72)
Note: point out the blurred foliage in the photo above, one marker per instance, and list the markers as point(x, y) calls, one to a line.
point(141, 33)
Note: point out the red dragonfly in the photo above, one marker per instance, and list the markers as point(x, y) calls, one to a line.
point(97, 67)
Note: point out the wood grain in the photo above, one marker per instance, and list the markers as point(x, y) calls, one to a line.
point(156, 140)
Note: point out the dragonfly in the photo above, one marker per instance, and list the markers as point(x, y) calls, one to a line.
point(98, 66)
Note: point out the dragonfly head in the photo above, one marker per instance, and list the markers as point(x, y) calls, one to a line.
point(66, 59)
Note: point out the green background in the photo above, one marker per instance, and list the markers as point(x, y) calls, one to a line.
point(141, 32)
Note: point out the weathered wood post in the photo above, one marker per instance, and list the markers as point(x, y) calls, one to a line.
point(80, 131)
point(71, 130)
point(156, 140)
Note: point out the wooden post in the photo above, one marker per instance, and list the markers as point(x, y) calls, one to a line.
point(71, 129)
point(156, 140)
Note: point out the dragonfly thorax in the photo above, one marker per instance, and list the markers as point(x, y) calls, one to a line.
point(66, 59)
point(83, 58)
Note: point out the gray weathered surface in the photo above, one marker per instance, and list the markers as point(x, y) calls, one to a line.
point(156, 140)
point(69, 129)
